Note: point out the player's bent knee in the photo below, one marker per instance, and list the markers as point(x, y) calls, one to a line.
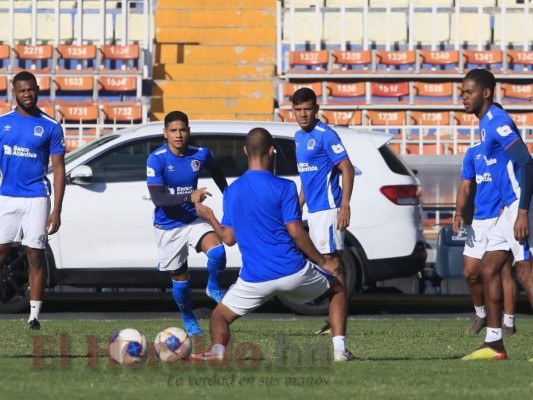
point(217, 253)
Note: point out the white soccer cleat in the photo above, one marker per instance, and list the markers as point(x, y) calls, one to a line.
point(342, 355)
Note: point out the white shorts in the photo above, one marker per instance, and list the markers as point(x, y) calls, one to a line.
point(23, 219)
point(323, 231)
point(173, 244)
point(502, 236)
point(303, 286)
point(477, 237)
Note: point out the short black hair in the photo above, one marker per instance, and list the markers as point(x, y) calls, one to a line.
point(302, 95)
point(258, 142)
point(483, 78)
point(176, 116)
point(24, 76)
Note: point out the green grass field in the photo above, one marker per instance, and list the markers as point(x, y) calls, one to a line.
point(282, 359)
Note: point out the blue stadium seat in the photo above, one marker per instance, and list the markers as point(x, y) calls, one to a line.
point(450, 261)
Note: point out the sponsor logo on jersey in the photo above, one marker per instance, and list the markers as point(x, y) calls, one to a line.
point(150, 172)
point(195, 165)
point(181, 190)
point(7, 128)
point(305, 167)
point(490, 161)
point(337, 148)
point(38, 131)
point(311, 144)
point(18, 152)
point(486, 177)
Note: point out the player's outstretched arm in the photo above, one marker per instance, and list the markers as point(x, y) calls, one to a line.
point(225, 233)
point(54, 219)
point(343, 218)
point(162, 198)
point(218, 176)
point(463, 194)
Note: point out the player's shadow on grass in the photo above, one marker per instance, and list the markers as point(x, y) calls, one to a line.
point(444, 358)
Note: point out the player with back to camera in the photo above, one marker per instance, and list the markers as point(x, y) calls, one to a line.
point(29, 139)
point(475, 177)
point(511, 169)
point(263, 216)
point(321, 158)
point(172, 177)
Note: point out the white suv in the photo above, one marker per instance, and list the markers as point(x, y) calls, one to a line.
point(106, 238)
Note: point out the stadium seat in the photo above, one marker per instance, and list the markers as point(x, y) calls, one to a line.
point(22, 21)
point(433, 92)
point(306, 27)
point(93, 26)
point(395, 61)
point(136, 28)
point(384, 118)
point(450, 261)
point(300, 3)
point(473, 29)
point(122, 112)
point(347, 3)
point(286, 115)
point(76, 58)
point(517, 93)
point(385, 3)
point(338, 30)
point(73, 143)
point(464, 119)
point(77, 113)
point(430, 117)
point(346, 93)
point(44, 83)
point(522, 118)
point(4, 108)
point(395, 32)
point(477, 3)
point(431, 29)
point(519, 61)
point(74, 86)
point(3, 90)
point(430, 3)
point(389, 91)
point(120, 58)
point(289, 88)
point(120, 84)
point(351, 61)
point(339, 117)
point(439, 61)
point(37, 57)
point(5, 54)
point(308, 61)
point(514, 32)
point(490, 59)
point(47, 107)
point(47, 26)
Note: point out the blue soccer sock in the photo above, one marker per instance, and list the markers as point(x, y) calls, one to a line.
point(181, 292)
point(216, 264)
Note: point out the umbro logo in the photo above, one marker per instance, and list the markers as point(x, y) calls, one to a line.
point(7, 128)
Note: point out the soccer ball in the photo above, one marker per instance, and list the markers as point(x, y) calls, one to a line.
point(172, 344)
point(128, 346)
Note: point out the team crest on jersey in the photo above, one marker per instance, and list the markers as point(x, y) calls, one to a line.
point(38, 131)
point(7, 150)
point(311, 144)
point(195, 164)
point(483, 135)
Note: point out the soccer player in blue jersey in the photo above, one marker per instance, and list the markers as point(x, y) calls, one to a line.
point(321, 159)
point(511, 169)
point(476, 177)
point(28, 140)
point(268, 229)
point(172, 177)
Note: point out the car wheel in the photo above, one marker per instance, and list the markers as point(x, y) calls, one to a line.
point(320, 306)
point(14, 285)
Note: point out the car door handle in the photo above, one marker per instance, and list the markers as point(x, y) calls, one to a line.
point(147, 198)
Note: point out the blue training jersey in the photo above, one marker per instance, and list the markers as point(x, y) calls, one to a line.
point(179, 175)
point(318, 152)
point(487, 200)
point(257, 206)
point(498, 132)
point(26, 144)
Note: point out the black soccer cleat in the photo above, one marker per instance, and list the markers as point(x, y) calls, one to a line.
point(34, 324)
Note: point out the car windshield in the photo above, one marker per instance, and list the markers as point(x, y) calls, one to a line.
point(74, 155)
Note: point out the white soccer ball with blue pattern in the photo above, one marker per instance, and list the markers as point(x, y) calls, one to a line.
point(172, 344)
point(128, 346)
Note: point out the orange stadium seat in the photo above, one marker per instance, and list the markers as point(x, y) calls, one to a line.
point(519, 61)
point(74, 83)
point(390, 90)
point(439, 61)
point(286, 115)
point(117, 83)
point(74, 143)
point(431, 92)
point(522, 118)
point(462, 118)
point(308, 61)
point(384, 118)
point(122, 112)
point(351, 61)
point(76, 112)
point(40, 56)
point(430, 117)
point(395, 61)
point(346, 93)
point(47, 107)
point(3, 83)
point(124, 58)
point(43, 82)
point(76, 58)
point(521, 93)
point(340, 117)
point(5, 52)
point(289, 89)
point(490, 59)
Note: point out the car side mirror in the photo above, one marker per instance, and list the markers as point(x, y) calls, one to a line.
point(82, 175)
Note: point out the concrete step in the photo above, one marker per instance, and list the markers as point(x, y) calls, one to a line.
point(223, 36)
point(218, 116)
point(220, 17)
point(213, 71)
point(217, 4)
point(214, 54)
point(214, 105)
point(211, 88)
